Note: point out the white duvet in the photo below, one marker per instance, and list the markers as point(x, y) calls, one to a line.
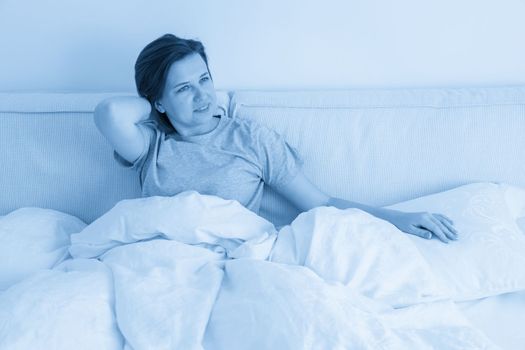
point(199, 272)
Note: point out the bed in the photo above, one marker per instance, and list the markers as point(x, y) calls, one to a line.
point(87, 263)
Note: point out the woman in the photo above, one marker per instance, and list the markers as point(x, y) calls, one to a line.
point(178, 140)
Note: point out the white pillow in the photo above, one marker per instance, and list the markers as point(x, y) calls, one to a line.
point(69, 307)
point(489, 256)
point(33, 239)
point(515, 199)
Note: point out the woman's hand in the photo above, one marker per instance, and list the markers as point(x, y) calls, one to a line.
point(424, 225)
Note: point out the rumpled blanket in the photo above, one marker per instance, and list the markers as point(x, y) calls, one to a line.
point(199, 272)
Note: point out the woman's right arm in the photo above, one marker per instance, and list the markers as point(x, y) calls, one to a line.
point(117, 117)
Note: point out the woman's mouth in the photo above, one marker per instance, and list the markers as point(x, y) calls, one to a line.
point(202, 108)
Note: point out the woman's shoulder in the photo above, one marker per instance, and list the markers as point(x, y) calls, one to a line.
point(254, 134)
point(243, 122)
point(250, 126)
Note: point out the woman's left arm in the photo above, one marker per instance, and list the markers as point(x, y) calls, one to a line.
point(305, 196)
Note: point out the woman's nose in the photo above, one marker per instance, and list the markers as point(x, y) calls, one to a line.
point(198, 95)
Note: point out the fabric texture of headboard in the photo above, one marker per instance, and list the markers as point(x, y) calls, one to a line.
point(384, 146)
point(374, 146)
point(53, 156)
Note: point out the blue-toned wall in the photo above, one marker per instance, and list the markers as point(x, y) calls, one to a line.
point(267, 44)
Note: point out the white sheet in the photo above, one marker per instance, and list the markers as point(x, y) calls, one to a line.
point(360, 251)
point(171, 294)
point(264, 305)
point(500, 317)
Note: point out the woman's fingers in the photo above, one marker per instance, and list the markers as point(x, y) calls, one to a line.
point(421, 232)
point(426, 225)
point(448, 223)
point(429, 224)
point(444, 228)
point(445, 218)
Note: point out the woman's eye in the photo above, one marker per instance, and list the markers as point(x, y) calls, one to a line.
point(204, 79)
point(184, 88)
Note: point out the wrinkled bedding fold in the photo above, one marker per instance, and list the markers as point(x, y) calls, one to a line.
point(198, 272)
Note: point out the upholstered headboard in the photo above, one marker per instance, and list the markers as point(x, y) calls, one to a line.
point(373, 146)
point(53, 156)
point(384, 146)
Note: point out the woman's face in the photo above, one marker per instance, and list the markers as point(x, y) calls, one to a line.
point(189, 98)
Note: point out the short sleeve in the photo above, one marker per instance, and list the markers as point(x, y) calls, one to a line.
point(280, 162)
point(149, 131)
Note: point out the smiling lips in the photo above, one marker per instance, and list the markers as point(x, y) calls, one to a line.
point(203, 108)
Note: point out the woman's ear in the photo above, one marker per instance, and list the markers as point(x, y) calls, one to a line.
point(159, 107)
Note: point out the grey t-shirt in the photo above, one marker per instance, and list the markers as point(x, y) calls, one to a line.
point(233, 161)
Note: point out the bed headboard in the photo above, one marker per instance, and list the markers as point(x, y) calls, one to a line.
point(53, 156)
point(385, 146)
point(374, 146)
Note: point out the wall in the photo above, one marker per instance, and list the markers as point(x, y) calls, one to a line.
point(267, 44)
